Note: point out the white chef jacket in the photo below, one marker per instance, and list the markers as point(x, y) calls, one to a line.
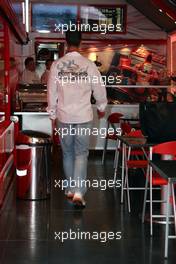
point(29, 77)
point(69, 91)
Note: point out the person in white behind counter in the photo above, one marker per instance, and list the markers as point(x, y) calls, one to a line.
point(29, 75)
point(69, 91)
point(45, 75)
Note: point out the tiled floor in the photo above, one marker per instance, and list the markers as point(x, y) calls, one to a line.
point(27, 228)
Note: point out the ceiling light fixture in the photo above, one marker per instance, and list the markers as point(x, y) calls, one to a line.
point(43, 31)
point(23, 12)
point(170, 16)
point(27, 14)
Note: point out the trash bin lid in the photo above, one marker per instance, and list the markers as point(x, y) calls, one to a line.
point(33, 137)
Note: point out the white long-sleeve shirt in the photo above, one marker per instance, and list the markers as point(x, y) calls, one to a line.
point(29, 77)
point(70, 84)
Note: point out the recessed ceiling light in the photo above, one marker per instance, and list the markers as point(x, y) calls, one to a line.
point(160, 10)
point(43, 31)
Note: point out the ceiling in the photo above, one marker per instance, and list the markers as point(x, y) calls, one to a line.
point(165, 18)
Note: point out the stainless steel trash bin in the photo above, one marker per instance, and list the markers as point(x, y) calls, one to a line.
point(33, 167)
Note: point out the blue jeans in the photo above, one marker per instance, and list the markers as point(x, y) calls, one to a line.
point(75, 148)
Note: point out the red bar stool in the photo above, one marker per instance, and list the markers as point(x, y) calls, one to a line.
point(130, 163)
point(154, 179)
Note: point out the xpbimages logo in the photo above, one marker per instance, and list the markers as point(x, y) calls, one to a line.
point(65, 77)
point(102, 236)
point(101, 184)
point(82, 131)
point(102, 28)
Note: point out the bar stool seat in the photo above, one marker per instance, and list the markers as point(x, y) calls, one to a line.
point(158, 180)
point(137, 164)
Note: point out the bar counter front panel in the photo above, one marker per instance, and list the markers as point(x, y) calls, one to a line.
point(39, 121)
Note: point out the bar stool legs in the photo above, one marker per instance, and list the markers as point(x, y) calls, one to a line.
point(174, 207)
point(128, 191)
point(116, 160)
point(123, 171)
point(167, 221)
point(125, 182)
point(151, 205)
point(170, 190)
point(145, 195)
point(104, 150)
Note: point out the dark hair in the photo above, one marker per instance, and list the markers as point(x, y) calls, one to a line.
point(43, 54)
point(28, 60)
point(46, 62)
point(149, 58)
point(12, 59)
point(73, 38)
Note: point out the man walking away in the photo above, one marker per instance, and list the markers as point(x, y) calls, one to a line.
point(72, 80)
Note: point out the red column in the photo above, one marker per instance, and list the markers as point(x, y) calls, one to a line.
point(6, 72)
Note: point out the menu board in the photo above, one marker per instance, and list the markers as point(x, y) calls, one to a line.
point(103, 19)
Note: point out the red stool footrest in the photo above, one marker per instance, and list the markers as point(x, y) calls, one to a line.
point(137, 163)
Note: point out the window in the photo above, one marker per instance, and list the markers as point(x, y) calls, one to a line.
point(47, 17)
point(51, 17)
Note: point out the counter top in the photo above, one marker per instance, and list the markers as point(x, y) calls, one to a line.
point(94, 106)
point(31, 113)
